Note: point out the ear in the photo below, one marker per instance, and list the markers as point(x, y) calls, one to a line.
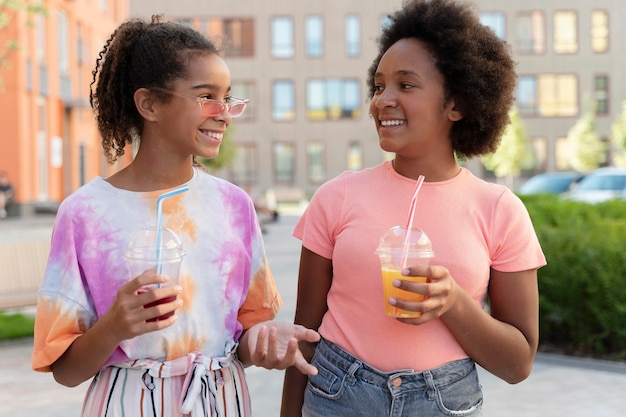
point(454, 112)
point(145, 104)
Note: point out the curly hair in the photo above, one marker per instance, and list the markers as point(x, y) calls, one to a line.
point(138, 54)
point(477, 67)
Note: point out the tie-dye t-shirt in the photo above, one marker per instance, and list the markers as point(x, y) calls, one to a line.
point(227, 284)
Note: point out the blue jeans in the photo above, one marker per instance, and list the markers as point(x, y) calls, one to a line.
point(346, 386)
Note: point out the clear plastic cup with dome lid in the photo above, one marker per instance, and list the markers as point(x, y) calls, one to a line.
point(396, 251)
point(159, 250)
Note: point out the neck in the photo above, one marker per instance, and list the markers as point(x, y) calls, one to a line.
point(142, 177)
point(432, 172)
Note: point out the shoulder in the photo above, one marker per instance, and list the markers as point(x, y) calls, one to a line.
point(214, 187)
point(354, 179)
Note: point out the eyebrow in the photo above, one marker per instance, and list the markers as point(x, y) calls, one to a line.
point(209, 87)
point(400, 73)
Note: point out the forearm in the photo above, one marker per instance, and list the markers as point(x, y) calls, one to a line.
point(243, 352)
point(499, 347)
point(85, 356)
point(293, 393)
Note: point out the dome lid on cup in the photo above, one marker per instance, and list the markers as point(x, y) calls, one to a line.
point(394, 239)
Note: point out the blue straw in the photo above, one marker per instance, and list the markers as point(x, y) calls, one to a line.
point(160, 222)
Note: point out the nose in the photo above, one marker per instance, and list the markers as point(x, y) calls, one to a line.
point(224, 115)
point(385, 98)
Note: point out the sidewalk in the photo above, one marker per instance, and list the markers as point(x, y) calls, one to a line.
point(558, 386)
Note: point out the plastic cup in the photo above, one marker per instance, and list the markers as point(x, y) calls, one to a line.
point(393, 259)
point(144, 254)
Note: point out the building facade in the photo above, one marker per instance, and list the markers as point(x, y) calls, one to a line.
point(49, 142)
point(304, 67)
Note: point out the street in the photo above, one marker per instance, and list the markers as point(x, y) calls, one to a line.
point(558, 386)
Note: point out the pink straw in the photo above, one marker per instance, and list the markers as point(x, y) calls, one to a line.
point(409, 222)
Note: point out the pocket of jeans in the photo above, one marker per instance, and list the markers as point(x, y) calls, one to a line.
point(463, 397)
point(328, 382)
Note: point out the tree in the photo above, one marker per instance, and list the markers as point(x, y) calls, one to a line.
point(586, 149)
point(514, 153)
point(8, 9)
point(618, 137)
point(228, 151)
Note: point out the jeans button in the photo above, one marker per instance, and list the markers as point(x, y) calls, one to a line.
point(397, 382)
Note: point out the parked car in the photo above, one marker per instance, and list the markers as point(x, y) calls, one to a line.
point(550, 183)
point(600, 185)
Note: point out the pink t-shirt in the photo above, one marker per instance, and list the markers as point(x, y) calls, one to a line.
point(474, 225)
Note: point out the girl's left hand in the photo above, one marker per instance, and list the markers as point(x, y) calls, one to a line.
point(440, 293)
point(274, 345)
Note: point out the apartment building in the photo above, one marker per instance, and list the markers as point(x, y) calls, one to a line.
point(571, 59)
point(49, 144)
point(303, 64)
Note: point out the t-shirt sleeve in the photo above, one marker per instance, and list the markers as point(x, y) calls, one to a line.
point(516, 246)
point(63, 313)
point(318, 225)
point(262, 300)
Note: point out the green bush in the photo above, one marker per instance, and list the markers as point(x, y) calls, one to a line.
point(13, 326)
point(582, 290)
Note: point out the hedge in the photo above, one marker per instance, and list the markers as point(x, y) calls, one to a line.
point(582, 290)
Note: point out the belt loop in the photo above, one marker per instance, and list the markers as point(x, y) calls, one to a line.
point(430, 384)
point(352, 371)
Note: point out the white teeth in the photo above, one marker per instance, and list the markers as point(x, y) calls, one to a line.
point(391, 122)
point(216, 135)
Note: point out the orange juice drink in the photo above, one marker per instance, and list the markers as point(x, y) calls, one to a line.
point(390, 275)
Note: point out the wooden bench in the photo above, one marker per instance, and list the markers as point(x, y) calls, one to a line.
point(22, 266)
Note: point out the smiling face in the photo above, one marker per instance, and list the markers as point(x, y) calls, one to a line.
point(412, 116)
point(181, 123)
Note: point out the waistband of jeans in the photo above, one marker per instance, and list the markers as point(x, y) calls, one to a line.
point(441, 375)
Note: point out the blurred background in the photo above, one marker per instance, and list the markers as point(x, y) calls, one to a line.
point(304, 66)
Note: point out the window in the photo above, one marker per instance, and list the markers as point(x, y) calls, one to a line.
point(244, 167)
point(565, 32)
point(283, 101)
point(353, 35)
point(314, 35)
point(562, 153)
point(495, 21)
point(540, 160)
point(601, 83)
point(558, 95)
point(80, 54)
point(333, 99)
point(41, 38)
point(244, 89)
point(599, 31)
point(548, 95)
point(283, 153)
point(527, 95)
point(282, 37)
point(237, 35)
point(63, 42)
point(530, 32)
point(316, 162)
point(355, 156)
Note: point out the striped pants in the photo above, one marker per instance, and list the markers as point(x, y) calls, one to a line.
point(191, 386)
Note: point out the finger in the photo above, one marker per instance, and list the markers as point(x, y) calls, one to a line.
point(291, 353)
point(416, 306)
point(306, 334)
point(260, 351)
point(416, 271)
point(272, 346)
point(303, 366)
point(162, 308)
